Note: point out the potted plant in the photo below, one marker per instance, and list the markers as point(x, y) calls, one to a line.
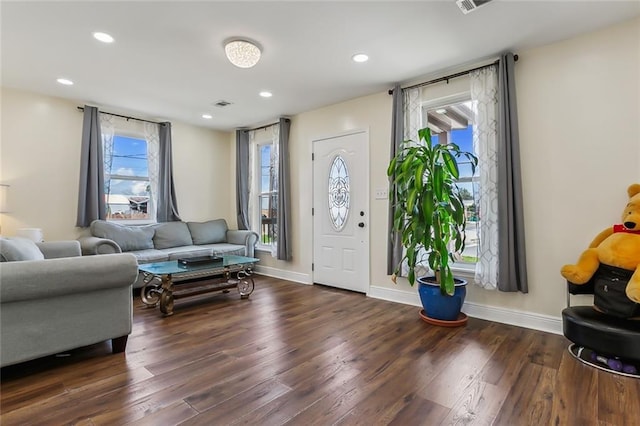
point(430, 217)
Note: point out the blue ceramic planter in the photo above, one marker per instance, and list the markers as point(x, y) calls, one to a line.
point(439, 306)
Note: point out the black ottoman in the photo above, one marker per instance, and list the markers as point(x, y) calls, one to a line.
point(604, 334)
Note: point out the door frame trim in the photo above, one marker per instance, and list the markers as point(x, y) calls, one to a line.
point(367, 172)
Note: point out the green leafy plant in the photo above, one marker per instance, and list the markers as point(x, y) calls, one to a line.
point(429, 212)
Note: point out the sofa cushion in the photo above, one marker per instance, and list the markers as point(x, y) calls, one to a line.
point(17, 249)
point(171, 234)
point(211, 232)
point(129, 238)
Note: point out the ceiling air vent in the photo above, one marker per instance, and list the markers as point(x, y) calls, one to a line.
point(222, 104)
point(467, 6)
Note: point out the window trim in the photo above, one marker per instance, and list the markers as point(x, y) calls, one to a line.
point(255, 190)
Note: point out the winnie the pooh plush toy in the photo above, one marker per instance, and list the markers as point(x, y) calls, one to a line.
point(617, 246)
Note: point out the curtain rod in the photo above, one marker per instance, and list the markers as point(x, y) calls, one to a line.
point(263, 127)
point(451, 76)
point(123, 116)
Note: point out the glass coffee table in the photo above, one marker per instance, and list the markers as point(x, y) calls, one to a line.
point(166, 281)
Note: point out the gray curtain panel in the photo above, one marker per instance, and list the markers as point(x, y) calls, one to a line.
point(512, 267)
point(167, 203)
point(284, 193)
point(394, 249)
point(91, 202)
point(242, 178)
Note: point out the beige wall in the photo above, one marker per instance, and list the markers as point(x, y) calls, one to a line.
point(40, 151)
point(371, 113)
point(579, 112)
point(40, 146)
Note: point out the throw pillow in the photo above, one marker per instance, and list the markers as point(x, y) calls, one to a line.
point(18, 249)
point(211, 232)
point(171, 234)
point(129, 238)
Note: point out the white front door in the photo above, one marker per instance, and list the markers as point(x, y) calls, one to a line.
point(341, 211)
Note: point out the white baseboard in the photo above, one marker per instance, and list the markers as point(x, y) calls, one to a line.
point(397, 296)
point(524, 319)
point(282, 274)
point(530, 320)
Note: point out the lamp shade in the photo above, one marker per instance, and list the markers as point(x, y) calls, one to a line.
point(242, 53)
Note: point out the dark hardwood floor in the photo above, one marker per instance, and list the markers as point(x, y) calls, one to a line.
point(310, 355)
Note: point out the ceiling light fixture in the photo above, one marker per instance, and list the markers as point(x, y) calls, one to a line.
point(103, 37)
point(360, 57)
point(207, 116)
point(65, 81)
point(242, 53)
point(266, 94)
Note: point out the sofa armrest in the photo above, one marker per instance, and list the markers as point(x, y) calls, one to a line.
point(247, 238)
point(96, 245)
point(57, 249)
point(49, 278)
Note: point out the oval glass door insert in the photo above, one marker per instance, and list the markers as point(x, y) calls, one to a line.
point(338, 193)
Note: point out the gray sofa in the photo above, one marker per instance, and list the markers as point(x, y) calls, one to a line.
point(52, 299)
point(168, 240)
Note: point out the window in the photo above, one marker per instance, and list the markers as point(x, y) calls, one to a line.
point(126, 176)
point(263, 196)
point(267, 196)
point(451, 121)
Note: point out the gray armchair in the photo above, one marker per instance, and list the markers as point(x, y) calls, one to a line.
point(63, 301)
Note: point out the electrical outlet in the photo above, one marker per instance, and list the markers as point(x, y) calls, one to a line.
point(381, 194)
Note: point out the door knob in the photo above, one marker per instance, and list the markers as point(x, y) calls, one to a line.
point(361, 224)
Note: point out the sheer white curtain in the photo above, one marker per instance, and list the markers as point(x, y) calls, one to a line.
point(253, 205)
point(275, 158)
point(412, 123)
point(153, 160)
point(107, 128)
point(484, 90)
point(412, 113)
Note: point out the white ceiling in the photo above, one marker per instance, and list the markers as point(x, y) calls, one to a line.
point(168, 62)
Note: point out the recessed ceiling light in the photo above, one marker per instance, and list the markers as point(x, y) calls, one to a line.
point(103, 37)
point(441, 111)
point(266, 94)
point(360, 57)
point(207, 116)
point(65, 81)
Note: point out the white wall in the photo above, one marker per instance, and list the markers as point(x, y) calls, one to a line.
point(40, 157)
